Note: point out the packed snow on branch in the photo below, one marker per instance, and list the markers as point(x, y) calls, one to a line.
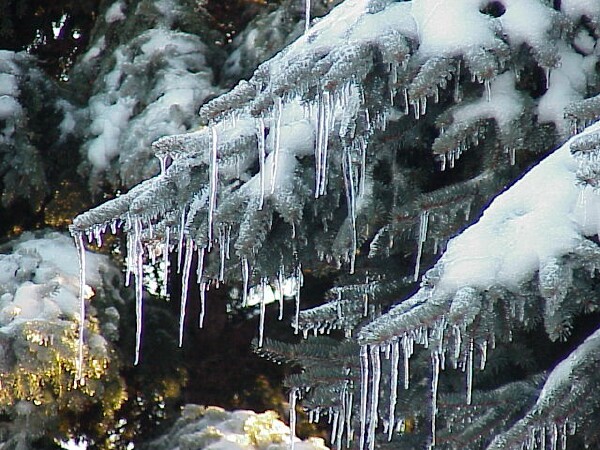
point(40, 320)
point(212, 427)
point(540, 225)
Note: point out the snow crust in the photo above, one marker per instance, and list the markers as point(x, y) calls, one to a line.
point(540, 217)
point(115, 13)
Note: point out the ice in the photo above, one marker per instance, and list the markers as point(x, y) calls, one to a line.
point(435, 376)
point(306, 15)
point(166, 261)
point(294, 394)
point(351, 204)
point(364, 394)
point(187, 267)
point(213, 174)
point(245, 280)
point(261, 159)
point(393, 387)
point(469, 370)
point(82, 296)
point(261, 321)
point(374, 414)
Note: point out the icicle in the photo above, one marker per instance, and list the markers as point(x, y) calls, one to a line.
point(423, 225)
point(376, 364)
point(261, 159)
point(470, 371)
point(393, 387)
point(457, 344)
point(180, 242)
point(547, 73)
point(351, 202)
point(293, 399)
point(138, 272)
point(457, 93)
point(553, 437)
point(306, 15)
point(364, 393)
point(407, 348)
point(484, 347)
point(214, 174)
point(299, 283)
point(488, 90)
point(187, 264)
point(563, 437)
point(261, 322)
point(349, 430)
point(245, 279)
point(334, 428)
point(81, 254)
point(276, 144)
point(406, 103)
point(202, 285)
point(280, 282)
point(435, 368)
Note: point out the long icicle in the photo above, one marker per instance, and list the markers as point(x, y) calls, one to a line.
point(214, 174)
point(138, 273)
point(81, 255)
point(435, 376)
point(373, 415)
point(364, 393)
point(393, 387)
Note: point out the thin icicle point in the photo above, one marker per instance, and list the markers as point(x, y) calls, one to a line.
point(187, 264)
point(214, 175)
point(81, 254)
point(261, 322)
point(202, 285)
point(364, 393)
point(293, 400)
point(423, 225)
point(202, 305)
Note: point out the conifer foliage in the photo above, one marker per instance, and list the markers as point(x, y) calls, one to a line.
point(365, 149)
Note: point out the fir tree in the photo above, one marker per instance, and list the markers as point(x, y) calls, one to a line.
point(363, 151)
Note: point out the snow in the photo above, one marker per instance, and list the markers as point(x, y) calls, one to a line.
point(577, 8)
point(526, 21)
point(115, 13)
point(448, 28)
point(568, 83)
point(40, 280)
point(9, 107)
point(529, 224)
point(504, 105)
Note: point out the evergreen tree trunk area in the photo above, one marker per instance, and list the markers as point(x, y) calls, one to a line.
point(411, 185)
